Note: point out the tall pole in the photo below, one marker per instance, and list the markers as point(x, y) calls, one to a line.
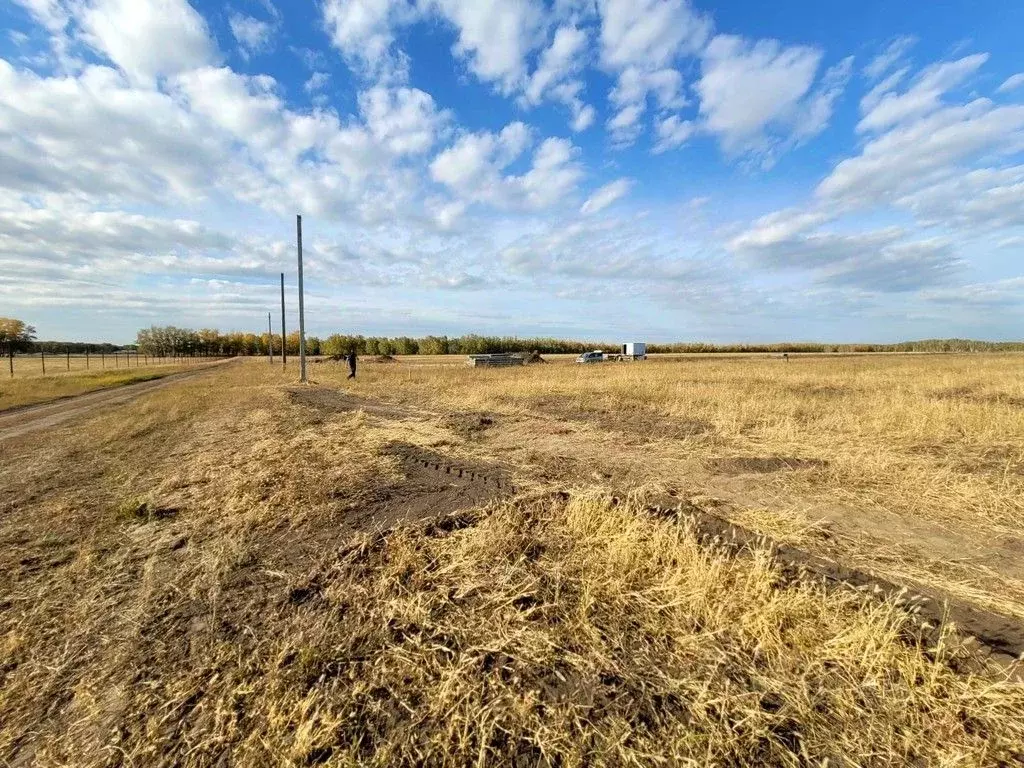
point(302, 311)
point(284, 338)
point(270, 340)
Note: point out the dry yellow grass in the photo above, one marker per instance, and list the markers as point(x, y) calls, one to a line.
point(36, 388)
point(922, 455)
point(181, 581)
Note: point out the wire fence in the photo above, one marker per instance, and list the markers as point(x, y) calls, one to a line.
point(28, 365)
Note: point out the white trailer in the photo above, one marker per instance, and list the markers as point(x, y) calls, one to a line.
point(633, 350)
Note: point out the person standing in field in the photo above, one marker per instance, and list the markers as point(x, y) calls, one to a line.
point(352, 364)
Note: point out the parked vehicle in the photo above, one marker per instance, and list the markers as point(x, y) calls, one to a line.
point(597, 356)
point(634, 350)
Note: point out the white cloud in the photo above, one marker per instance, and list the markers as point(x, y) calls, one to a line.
point(253, 36)
point(583, 118)
point(606, 195)
point(1007, 294)
point(556, 76)
point(815, 112)
point(756, 97)
point(363, 31)
point(641, 40)
point(147, 40)
point(473, 163)
point(1012, 83)
point(870, 100)
point(122, 142)
point(635, 83)
point(672, 132)
point(91, 242)
point(888, 58)
point(922, 152)
point(495, 36)
point(881, 260)
point(649, 33)
point(624, 126)
point(923, 96)
point(561, 59)
point(977, 200)
point(473, 168)
point(405, 120)
point(317, 81)
point(51, 14)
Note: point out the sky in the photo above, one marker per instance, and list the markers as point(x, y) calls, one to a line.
point(605, 169)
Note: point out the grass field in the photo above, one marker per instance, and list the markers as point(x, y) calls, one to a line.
point(30, 386)
point(436, 565)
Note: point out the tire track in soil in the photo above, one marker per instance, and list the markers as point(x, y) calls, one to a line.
point(433, 486)
point(984, 635)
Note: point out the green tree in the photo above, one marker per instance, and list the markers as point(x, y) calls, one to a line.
point(15, 336)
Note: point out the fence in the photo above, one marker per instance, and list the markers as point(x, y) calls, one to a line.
point(49, 364)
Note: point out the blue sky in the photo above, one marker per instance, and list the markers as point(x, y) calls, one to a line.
point(656, 169)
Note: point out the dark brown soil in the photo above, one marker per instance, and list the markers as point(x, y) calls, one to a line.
point(434, 485)
point(325, 400)
point(761, 465)
point(637, 424)
point(469, 425)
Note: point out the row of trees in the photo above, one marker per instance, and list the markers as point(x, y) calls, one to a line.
point(168, 341)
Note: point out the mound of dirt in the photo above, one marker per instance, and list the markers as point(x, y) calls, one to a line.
point(761, 465)
point(384, 359)
point(533, 357)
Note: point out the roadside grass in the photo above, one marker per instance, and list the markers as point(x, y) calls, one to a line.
point(34, 390)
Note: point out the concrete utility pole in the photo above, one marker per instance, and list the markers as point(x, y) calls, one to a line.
point(270, 340)
point(284, 338)
point(302, 311)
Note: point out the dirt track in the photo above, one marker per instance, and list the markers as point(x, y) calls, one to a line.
point(21, 421)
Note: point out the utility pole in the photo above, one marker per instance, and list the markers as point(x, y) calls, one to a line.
point(270, 340)
point(302, 312)
point(284, 338)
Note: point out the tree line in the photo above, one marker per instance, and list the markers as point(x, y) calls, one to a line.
point(169, 341)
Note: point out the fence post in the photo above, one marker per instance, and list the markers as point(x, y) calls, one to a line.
point(103, 359)
point(42, 359)
point(87, 359)
point(115, 360)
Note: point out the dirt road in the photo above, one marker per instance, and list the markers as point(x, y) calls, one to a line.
point(21, 421)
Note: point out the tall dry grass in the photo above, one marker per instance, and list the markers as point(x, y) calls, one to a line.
point(923, 456)
point(178, 587)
